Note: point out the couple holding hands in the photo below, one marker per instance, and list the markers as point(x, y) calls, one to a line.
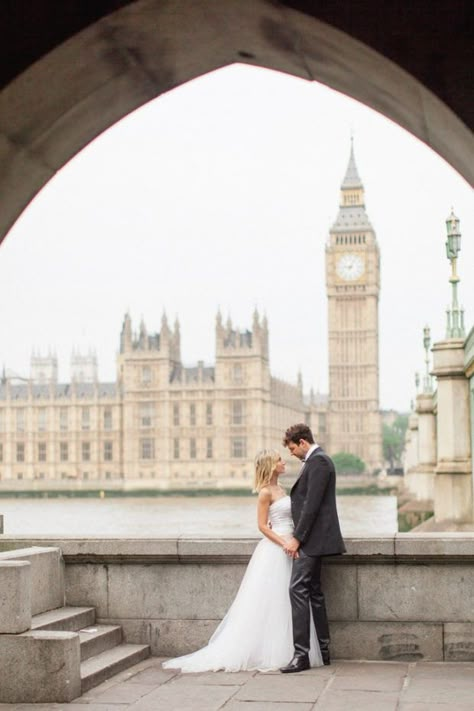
point(278, 618)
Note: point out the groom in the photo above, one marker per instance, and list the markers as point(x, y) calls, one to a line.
point(317, 534)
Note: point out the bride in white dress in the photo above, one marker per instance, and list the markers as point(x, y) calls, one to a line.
point(256, 633)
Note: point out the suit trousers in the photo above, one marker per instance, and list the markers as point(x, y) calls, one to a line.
point(306, 594)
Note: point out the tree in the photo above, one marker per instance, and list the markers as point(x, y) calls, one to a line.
point(394, 441)
point(347, 463)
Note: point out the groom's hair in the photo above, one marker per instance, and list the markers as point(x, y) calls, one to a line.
point(297, 432)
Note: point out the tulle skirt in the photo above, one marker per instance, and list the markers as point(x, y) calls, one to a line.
point(257, 631)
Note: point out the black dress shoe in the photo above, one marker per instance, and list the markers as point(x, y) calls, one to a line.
point(297, 664)
point(326, 658)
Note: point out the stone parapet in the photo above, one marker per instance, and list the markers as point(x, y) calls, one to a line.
point(35, 665)
point(425, 403)
point(469, 354)
point(15, 596)
point(40, 666)
point(409, 546)
point(47, 588)
point(419, 482)
point(453, 491)
point(461, 467)
point(448, 358)
point(403, 596)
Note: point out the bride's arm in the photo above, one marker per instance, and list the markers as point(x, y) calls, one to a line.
point(263, 506)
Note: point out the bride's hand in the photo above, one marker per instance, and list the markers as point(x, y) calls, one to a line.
point(291, 548)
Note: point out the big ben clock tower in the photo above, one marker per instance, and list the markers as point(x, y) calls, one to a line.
point(353, 285)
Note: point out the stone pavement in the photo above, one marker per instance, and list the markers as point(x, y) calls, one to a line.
point(344, 686)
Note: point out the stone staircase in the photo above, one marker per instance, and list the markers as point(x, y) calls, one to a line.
point(102, 651)
point(50, 652)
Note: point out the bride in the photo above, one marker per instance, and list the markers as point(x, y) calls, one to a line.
point(256, 633)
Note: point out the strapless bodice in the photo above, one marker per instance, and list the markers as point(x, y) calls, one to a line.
point(280, 516)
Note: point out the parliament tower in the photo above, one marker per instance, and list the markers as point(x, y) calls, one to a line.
point(353, 286)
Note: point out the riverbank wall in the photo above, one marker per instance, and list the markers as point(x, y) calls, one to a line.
point(346, 485)
point(400, 597)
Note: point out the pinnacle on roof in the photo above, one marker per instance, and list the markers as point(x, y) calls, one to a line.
point(351, 179)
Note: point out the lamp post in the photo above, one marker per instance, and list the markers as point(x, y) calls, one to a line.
point(455, 314)
point(427, 383)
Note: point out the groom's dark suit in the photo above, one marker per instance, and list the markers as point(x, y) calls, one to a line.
point(313, 507)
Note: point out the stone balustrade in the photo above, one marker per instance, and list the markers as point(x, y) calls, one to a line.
point(398, 597)
point(439, 462)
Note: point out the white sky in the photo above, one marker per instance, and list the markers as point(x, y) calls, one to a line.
point(222, 193)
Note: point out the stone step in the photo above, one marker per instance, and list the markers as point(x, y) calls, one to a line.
point(68, 619)
point(98, 638)
point(103, 666)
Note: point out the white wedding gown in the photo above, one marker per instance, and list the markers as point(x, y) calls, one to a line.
point(256, 633)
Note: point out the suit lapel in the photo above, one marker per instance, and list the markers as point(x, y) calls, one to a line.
point(313, 454)
point(298, 477)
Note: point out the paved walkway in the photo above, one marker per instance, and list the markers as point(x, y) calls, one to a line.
point(344, 686)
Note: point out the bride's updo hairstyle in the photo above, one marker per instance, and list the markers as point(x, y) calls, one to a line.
point(265, 463)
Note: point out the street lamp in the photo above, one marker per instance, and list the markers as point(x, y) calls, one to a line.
point(427, 384)
point(455, 314)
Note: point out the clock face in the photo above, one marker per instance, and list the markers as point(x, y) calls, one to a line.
point(350, 267)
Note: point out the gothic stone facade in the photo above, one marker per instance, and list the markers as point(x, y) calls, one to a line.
point(175, 426)
point(160, 425)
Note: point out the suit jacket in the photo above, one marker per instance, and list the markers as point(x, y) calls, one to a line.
point(313, 507)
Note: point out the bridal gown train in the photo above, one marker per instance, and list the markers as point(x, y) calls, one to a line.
point(256, 633)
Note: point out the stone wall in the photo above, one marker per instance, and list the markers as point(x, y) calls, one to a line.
point(404, 597)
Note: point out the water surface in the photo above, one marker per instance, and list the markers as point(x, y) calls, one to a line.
point(158, 517)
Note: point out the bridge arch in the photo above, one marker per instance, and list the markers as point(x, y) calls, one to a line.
point(119, 60)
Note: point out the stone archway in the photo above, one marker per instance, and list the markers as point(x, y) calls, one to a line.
point(123, 59)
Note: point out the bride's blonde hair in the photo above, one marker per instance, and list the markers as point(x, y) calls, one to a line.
point(265, 463)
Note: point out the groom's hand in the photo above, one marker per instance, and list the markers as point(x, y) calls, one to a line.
point(291, 548)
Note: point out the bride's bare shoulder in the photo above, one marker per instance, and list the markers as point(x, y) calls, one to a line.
point(265, 495)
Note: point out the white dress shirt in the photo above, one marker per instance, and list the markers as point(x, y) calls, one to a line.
point(310, 451)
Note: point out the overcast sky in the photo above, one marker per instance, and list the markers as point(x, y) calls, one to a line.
point(221, 193)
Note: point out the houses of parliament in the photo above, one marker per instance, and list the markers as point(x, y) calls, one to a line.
point(166, 426)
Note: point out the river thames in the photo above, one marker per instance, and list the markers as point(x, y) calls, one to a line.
point(168, 517)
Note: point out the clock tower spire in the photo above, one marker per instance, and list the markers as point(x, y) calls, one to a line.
point(353, 285)
point(352, 212)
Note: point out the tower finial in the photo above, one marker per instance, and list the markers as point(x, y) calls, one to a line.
point(256, 320)
point(126, 334)
point(351, 178)
point(143, 335)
